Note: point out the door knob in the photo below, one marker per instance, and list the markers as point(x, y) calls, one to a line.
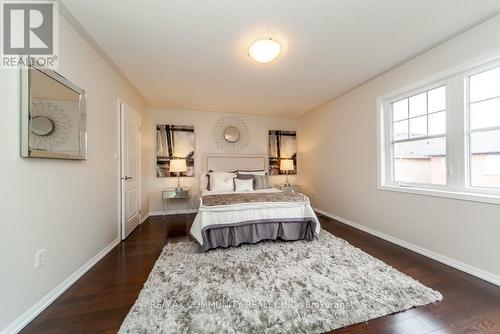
point(127, 178)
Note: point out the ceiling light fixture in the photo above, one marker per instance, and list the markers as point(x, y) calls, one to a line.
point(264, 50)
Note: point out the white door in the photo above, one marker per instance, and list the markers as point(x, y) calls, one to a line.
point(130, 169)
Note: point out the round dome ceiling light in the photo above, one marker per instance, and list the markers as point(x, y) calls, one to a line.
point(264, 50)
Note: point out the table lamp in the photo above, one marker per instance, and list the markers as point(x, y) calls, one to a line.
point(286, 165)
point(178, 165)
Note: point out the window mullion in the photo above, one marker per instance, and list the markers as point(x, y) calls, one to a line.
point(456, 131)
point(492, 128)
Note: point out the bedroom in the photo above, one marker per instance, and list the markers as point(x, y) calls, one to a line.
point(354, 152)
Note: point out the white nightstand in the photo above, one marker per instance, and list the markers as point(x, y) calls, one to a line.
point(172, 194)
point(295, 188)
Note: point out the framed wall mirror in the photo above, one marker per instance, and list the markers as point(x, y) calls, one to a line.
point(53, 116)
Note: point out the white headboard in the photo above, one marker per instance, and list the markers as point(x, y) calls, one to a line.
point(230, 163)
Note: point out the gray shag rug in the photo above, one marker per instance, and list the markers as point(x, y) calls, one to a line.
point(270, 287)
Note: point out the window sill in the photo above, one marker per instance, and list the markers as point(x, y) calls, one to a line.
point(456, 195)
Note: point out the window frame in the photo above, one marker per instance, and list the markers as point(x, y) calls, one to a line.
point(388, 129)
point(468, 131)
point(408, 95)
point(458, 169)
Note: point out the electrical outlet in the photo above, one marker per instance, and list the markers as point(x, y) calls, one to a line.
point(40, 258)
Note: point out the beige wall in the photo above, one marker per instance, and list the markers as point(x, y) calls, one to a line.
point(204, 123)
point(70, 208)
point(338, 158)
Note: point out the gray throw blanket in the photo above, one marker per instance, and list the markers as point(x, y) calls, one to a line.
point(240, 198)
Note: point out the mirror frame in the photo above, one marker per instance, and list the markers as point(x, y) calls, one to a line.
point(26, 150)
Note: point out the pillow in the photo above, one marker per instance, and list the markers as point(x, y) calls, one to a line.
point(208, 176)
point(245, 177)
point(252, 172)
point(261, 182)
point(243, 185)
point(208, 179)
point(221, 181)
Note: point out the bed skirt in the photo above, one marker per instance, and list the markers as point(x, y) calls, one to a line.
point(227, 235)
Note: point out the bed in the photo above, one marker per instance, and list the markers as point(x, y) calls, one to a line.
point(230, 218)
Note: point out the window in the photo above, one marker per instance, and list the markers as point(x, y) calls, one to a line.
point(419, 138)
point(484, 128)
point(443, 138)
point(493, 165)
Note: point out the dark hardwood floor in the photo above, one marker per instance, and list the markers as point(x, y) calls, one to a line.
point(101, 299)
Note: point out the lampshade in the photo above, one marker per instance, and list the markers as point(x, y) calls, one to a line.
point(178, 165)
point(286, 164)
point(264, 50)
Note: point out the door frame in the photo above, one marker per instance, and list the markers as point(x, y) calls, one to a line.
point(118, 156)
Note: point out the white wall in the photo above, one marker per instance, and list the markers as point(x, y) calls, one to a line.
point(67, 207)
point(204, 123)
point(343, 181)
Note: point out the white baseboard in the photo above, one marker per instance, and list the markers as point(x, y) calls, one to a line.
point(462, 266)
point(143, 218)
point(172, 212)
point(25, 318)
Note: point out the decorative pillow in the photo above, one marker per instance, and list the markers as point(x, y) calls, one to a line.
point(244, 177)
point(221, 181)
point(261, 182)
point(252, 172)
point(243, 185)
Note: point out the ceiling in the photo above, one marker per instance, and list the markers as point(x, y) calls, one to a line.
point(190, 54)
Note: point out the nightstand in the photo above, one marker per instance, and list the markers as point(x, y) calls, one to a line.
point(295, 188)
point(171, 194)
